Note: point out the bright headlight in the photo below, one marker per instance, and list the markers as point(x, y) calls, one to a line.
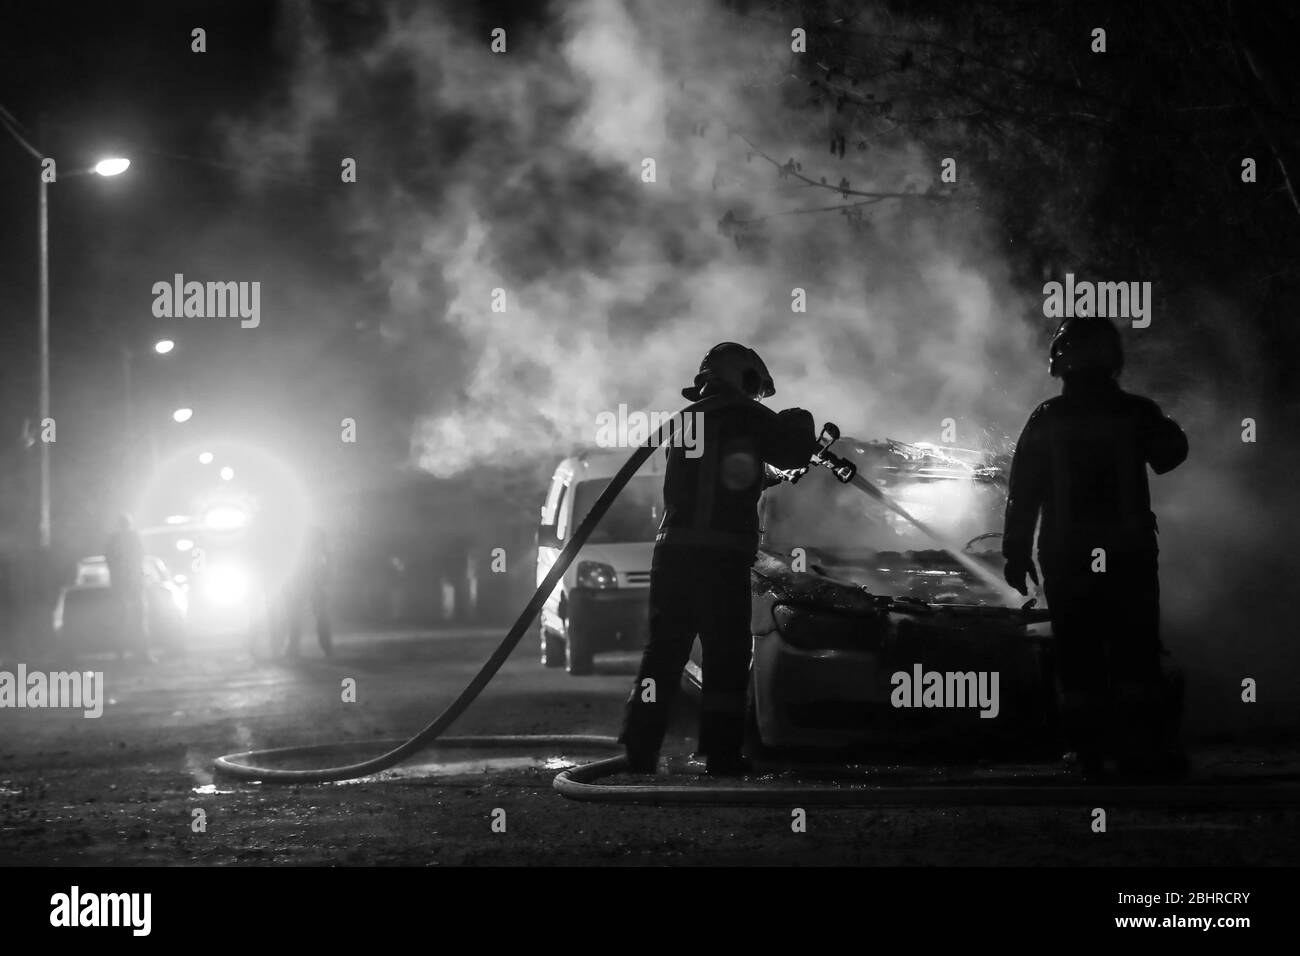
point(225, 518)
point(593, 574)
point(225, 585)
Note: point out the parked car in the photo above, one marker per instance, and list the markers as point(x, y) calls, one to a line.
point(847, 594)
point(602, 602)
point(87, 619)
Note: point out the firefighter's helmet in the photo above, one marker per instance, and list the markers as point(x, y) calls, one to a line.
point(1085, 345)
point(734, 365)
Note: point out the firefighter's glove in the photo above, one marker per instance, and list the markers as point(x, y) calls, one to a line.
point(1016, 571)
point(799, 422)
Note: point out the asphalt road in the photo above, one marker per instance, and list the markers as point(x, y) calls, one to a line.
point(135, 786)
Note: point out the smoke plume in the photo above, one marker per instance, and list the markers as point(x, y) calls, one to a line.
point(523, 172)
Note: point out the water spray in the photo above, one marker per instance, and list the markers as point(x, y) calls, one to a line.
point(846, 472)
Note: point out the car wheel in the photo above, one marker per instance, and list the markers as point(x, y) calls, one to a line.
point(552, 648)
point(578, 654)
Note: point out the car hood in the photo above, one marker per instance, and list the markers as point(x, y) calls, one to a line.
point(930, 576)
point(774, 581)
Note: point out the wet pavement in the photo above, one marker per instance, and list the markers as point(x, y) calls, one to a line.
point(136, 785)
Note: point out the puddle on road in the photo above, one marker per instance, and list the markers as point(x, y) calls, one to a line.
point(208, 789)
point(487, 763)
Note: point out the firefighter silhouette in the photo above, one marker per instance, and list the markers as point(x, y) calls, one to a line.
point(707, 542)
point(309, 585)
point(1081, 463)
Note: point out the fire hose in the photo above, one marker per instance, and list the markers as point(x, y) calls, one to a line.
point(237, 765)
point(579, 783)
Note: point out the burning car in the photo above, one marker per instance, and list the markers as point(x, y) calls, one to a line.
point(868, 634)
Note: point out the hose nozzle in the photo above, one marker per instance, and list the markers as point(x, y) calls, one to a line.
point(841, 468)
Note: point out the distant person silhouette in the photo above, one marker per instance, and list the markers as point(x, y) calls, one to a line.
point(124, 555)
point(309, 584)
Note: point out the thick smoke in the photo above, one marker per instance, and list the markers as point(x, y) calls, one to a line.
point(615, 287)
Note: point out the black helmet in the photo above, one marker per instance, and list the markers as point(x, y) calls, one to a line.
point(734, 365)
point(1085, 345)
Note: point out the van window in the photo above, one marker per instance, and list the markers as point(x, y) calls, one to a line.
point(564, 520)
point(634, 515)
point(552, 505)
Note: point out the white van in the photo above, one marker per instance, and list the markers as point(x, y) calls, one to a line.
point(602, 602)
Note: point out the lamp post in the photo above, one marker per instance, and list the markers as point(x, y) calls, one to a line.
point(106, 167)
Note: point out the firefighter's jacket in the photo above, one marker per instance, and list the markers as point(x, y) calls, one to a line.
point(711, 493)
point(1081, 461)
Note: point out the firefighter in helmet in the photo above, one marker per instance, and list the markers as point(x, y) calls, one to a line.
point(706, 545)
point(1081, 463)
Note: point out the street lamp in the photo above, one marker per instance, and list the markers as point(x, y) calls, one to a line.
point(182, 414)
point(163, 346)
point(107, 167)
point(115, 166)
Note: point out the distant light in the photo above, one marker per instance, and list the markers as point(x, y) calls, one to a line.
point(184, 544)
point(179, 578)
point(205, 458)
point(225, 517)
point(227, 473)
point(163, 346)
point(182, 414)
point(177, 519)
point(226, 584)
point(112, 167)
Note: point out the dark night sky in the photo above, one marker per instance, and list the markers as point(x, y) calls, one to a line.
point(122, 80)
point(113, 80)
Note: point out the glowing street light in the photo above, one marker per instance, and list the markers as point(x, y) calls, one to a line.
point(114, 166)
point(205, 458)
point(182, 414)
point(106, 167)
point(227, 473)
point(163, 346)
